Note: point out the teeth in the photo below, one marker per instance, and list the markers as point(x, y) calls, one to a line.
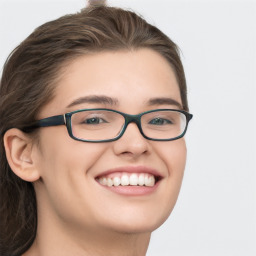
point(116, 181)
point(125, 181)
point(149, 181)
point(110, 182)
point(103, 181)
point(141, 179)
point(134, 179)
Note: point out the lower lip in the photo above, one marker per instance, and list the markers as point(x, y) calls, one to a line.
point(132, 190)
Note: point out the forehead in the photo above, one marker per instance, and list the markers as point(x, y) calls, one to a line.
point(130, 77)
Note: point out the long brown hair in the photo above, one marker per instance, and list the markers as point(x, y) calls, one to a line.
point(27, 84)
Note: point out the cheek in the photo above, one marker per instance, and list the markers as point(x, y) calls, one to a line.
point(173, 154)
point(176, 165)
point(62, 153)
point(176, 161)
point(64, 164)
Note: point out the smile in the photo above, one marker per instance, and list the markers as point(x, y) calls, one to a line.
point(128, 179)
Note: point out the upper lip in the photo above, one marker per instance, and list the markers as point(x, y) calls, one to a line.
point(132, 169)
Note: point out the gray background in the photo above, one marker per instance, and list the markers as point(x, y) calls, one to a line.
point(216, 211)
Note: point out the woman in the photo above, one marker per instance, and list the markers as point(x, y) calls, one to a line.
point(93, 112)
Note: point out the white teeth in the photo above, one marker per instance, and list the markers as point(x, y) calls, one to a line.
point(110, 182)
point(149, 181)
point(103, 181)
point(141, 179)
point(116, 181)
point(134, 179)
point(125, 180)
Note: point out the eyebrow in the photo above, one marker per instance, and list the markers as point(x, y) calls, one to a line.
point(102, 99)
point(94, 99)
point(164, 101)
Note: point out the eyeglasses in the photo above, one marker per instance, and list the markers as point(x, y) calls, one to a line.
point(104, 125)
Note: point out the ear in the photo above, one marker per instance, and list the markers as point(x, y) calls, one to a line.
point(19, 150)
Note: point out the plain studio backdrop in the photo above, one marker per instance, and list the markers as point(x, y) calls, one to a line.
point(216, 211)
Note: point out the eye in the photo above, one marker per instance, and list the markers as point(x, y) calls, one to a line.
point(94, 120)
point(160, 121)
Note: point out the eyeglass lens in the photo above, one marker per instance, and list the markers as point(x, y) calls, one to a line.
point(106, 125)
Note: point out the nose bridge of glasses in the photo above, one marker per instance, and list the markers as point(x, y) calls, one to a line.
point(132, 119)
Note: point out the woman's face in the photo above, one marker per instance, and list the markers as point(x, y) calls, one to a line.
point(69, 192)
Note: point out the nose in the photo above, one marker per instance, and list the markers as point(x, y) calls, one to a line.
point(132, 143)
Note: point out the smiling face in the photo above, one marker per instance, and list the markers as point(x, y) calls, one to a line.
point(74, 192)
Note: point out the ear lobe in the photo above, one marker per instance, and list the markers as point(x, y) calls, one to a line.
point(19, 152)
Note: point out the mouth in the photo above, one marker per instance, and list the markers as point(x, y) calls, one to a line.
point(130, 180)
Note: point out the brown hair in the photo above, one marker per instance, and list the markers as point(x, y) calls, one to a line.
point(27, 84)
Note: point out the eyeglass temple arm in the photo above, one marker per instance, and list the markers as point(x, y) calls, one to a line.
point(46, 122)
point(51, 121)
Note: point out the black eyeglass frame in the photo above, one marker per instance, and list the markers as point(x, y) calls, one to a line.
point(65, 119)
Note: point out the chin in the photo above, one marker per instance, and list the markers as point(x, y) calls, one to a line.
point(137, 222)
